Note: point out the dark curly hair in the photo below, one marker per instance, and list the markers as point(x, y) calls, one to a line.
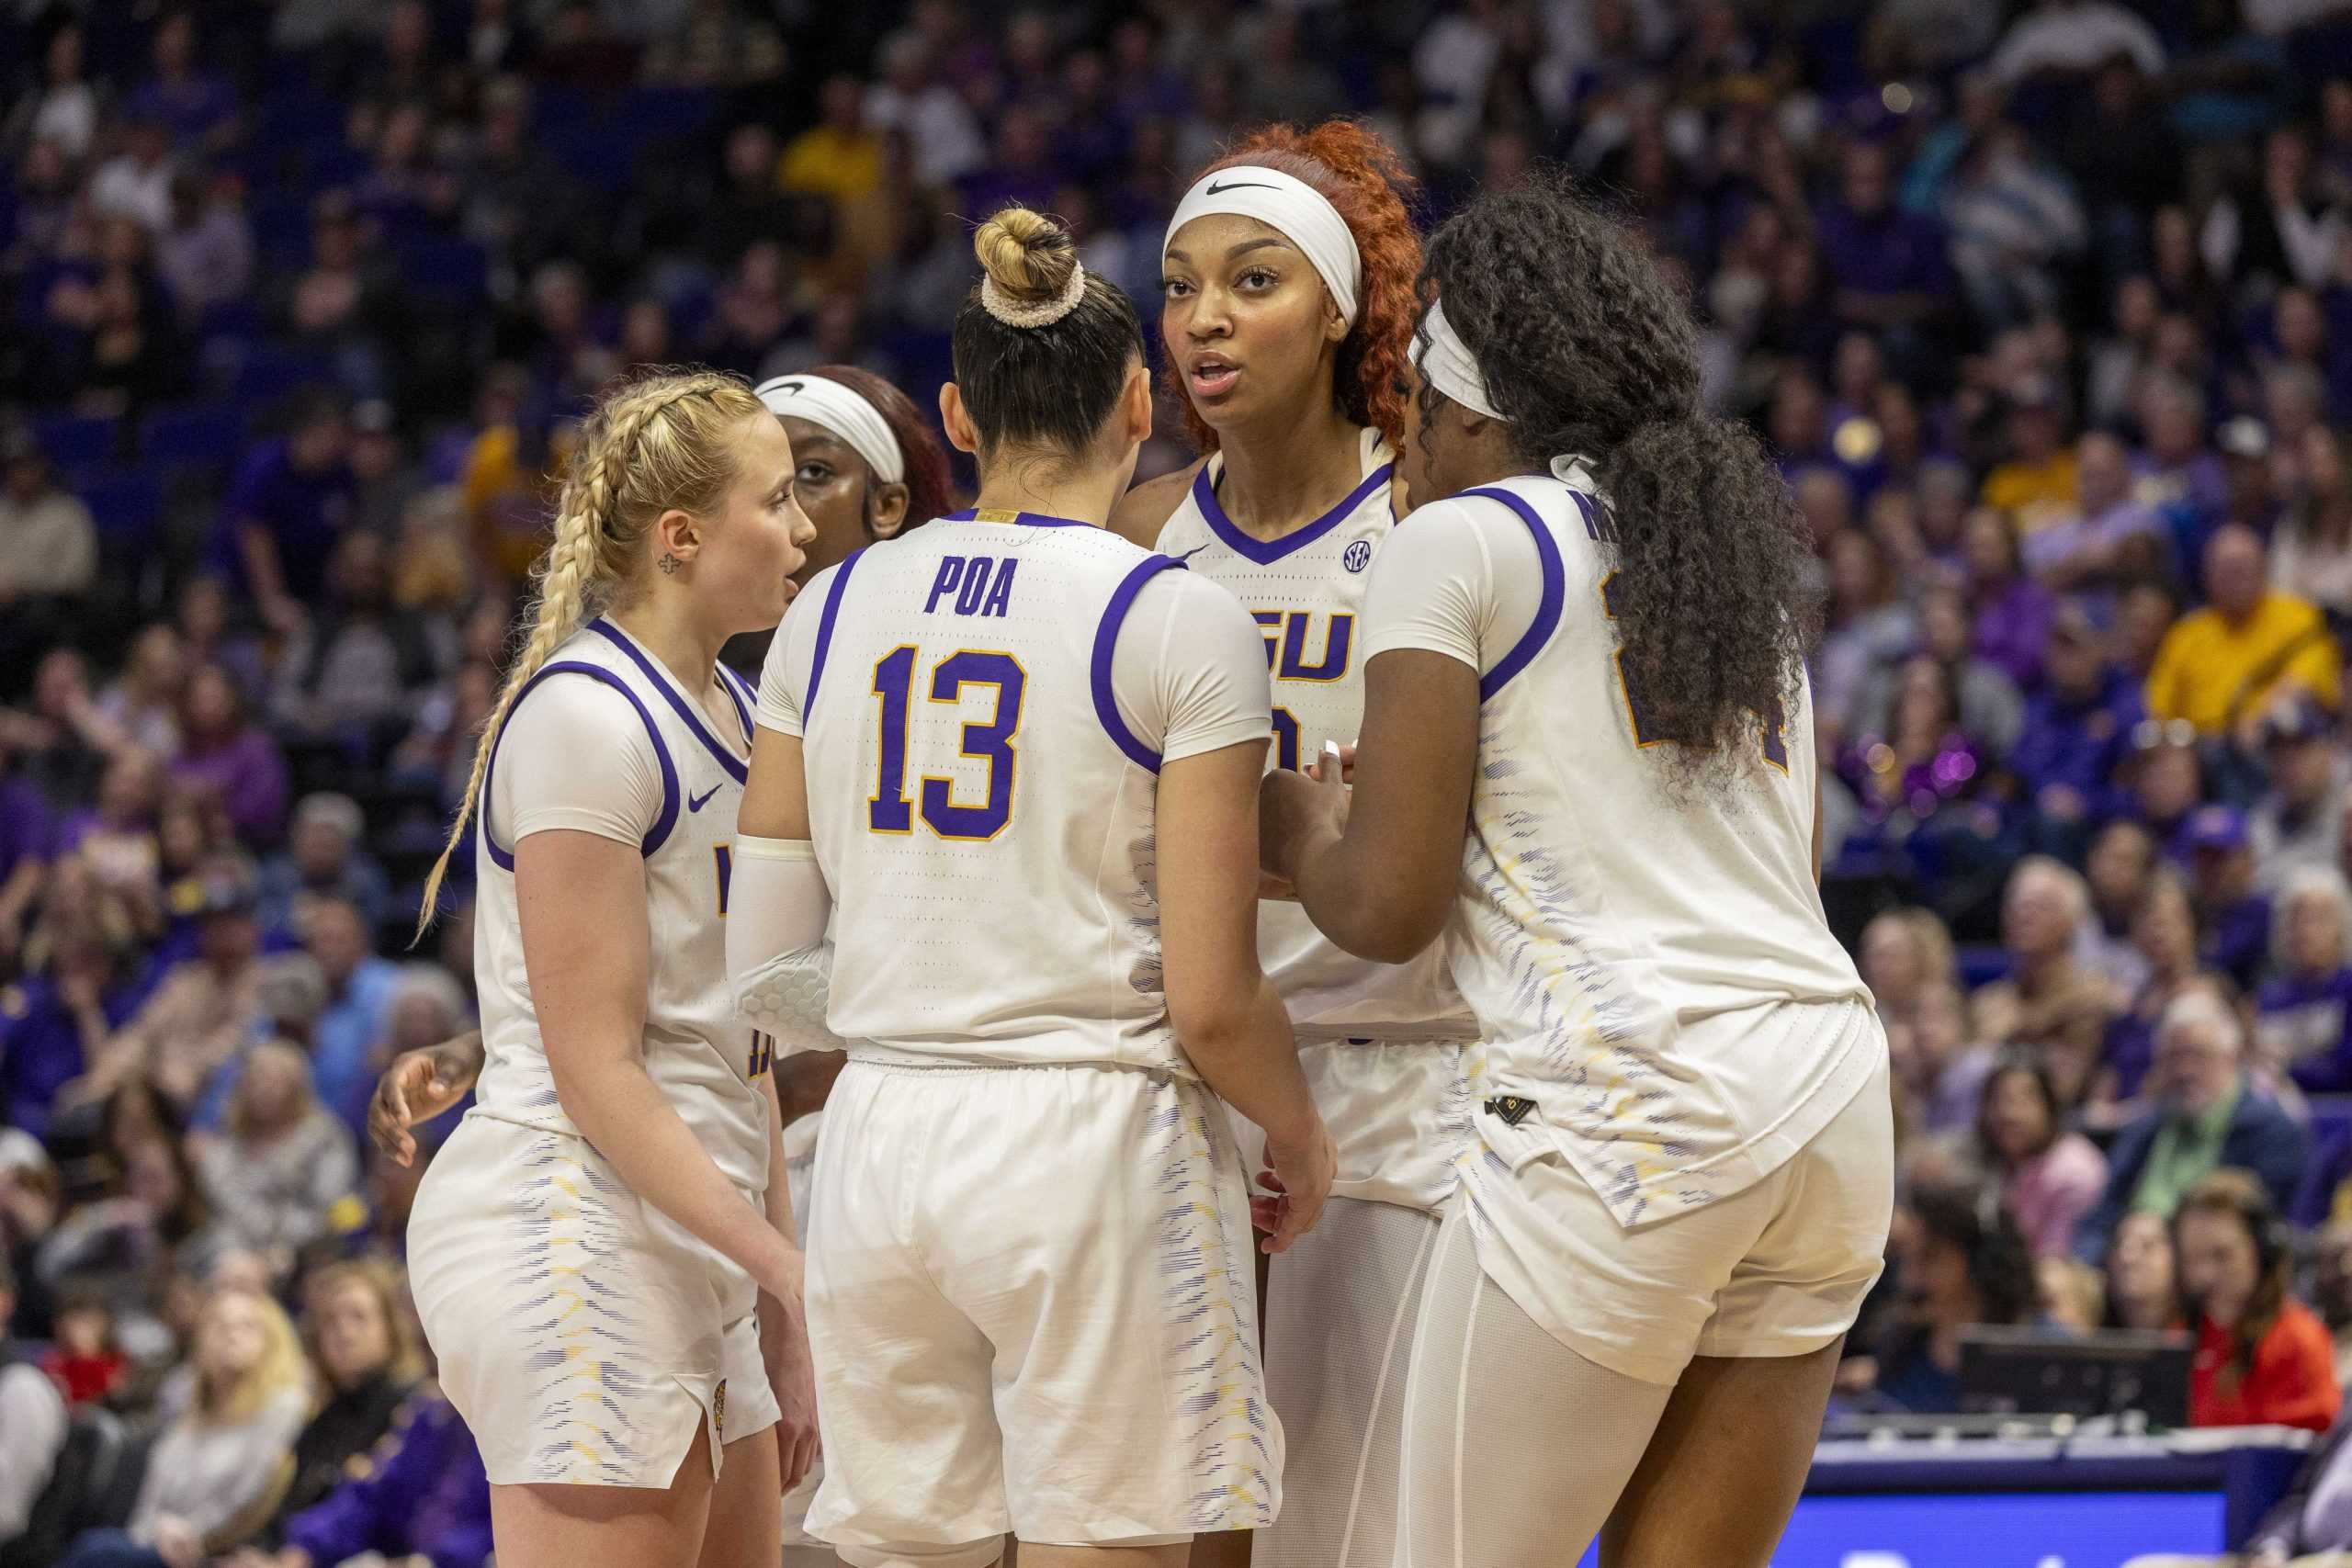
point(1362, 176)
point(930, 489)
point(2000, 1265)
point(1587, 348)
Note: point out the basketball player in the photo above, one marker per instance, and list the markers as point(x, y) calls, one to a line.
point(598, 1254)
point(868, 467)
point(1592, 652)
point(1032, 1306)
point(1289, 272)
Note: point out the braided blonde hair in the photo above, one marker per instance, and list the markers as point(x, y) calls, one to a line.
point(656, 442)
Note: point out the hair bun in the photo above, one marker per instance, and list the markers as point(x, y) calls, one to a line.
point(1026, 254)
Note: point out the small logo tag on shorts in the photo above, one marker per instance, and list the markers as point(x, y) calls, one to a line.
point(718, 1412)
point(1513, 1108)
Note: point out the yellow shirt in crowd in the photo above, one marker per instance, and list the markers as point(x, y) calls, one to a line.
point(2213, 674)
point(2035, 494)
point(843, 164)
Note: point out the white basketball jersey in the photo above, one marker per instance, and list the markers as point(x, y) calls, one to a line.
point(707, 1063)
point(983, 813)
point(1642, 965)
point(1305, 592)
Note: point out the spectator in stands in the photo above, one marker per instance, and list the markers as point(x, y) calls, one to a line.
point(1888, 263)
point(196, 104)
point(2232, 914)
point(2036, 485)
point(2202, 1115)
point(325, 858)
point(367, 1362)
point(2304, 1029)
point(2299, 821)
point(2263, 1358)
point(224, 751)
point(206, 256)
point(2077, 729)
point(2049, 1003)
point(2123, 858)
point(2332, 1288)
point(360, 988)
point(141, 705)
point(2098, 543)
point(201, 1013)
point(2050, 1175)
point(1868, 625)
point(2167, 779)
point(2221, 666)
point(33, 1415)
point(2142, 1286)
point(86, 1362)
point(1963, 1266)
point(1904, 951)
point(347, 674)
point(2012, 610)
point(288, 505)
point(284, 1172)
point(1940, 1072)
point(213, 1475)
point(49, 548)
point(421, 1497)
point(2312, 552)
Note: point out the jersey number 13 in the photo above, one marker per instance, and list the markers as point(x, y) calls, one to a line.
point(990, 740)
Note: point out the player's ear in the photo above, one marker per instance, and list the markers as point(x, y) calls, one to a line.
point(678, 534)
point(886, 510)
point(962, 434)
point(1135, 405)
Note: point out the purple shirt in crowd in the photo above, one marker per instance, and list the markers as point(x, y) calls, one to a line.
point(2012, 628)
point(251, 778)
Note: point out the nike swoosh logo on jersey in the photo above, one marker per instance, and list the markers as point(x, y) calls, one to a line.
point(696, 801)
point(1215, 189)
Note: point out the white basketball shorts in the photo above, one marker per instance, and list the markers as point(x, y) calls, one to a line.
point(581, 1333)
point(1032, 1306)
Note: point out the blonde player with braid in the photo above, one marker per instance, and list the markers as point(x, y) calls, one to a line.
point(609, 1279)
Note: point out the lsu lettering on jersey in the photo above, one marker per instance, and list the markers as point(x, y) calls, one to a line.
point(706, 1062)
point(1657, 988)
point(984, 707)
point(1305, 591)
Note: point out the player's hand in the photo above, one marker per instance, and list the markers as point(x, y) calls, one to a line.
point(417, 1086)
point(792, 1370)
point(1296, 1187)
point(1297, 811)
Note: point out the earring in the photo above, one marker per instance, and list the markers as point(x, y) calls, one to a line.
point(668, 563)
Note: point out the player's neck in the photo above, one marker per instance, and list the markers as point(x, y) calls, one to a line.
point(1085, 498)
point(1281, 475)
point(666, 626)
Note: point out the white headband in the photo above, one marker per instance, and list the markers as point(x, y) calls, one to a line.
point(1445, 363)
point(1289, 204)
point(840, 409)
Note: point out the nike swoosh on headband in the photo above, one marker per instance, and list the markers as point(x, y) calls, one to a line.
point(1215, 189)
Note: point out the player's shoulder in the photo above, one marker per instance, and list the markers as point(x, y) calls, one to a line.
point(1144, 511)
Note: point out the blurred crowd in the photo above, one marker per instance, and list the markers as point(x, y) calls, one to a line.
point(2046, 307)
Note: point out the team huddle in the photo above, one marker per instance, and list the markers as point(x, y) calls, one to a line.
point(1382, 854)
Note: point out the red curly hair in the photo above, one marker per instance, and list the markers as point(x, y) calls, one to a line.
point(1363, 179)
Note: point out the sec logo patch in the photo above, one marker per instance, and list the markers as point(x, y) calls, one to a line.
point(1358, 555)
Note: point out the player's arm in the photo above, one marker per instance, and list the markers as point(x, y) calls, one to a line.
point(1226, 1012)
point(778, 960)
point(784, 1322)
point(1377, 871)
point(583, 785)
point(1188, 678)
point(587, 947)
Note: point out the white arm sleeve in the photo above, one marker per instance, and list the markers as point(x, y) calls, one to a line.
point(778, 963)
point(1458, 578)
point(1189, 669)
point(575, 753)
point(784, 678)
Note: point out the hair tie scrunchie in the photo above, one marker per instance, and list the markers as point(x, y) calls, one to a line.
point(1012, 313)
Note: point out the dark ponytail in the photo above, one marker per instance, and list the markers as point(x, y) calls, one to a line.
point(1586, 348)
